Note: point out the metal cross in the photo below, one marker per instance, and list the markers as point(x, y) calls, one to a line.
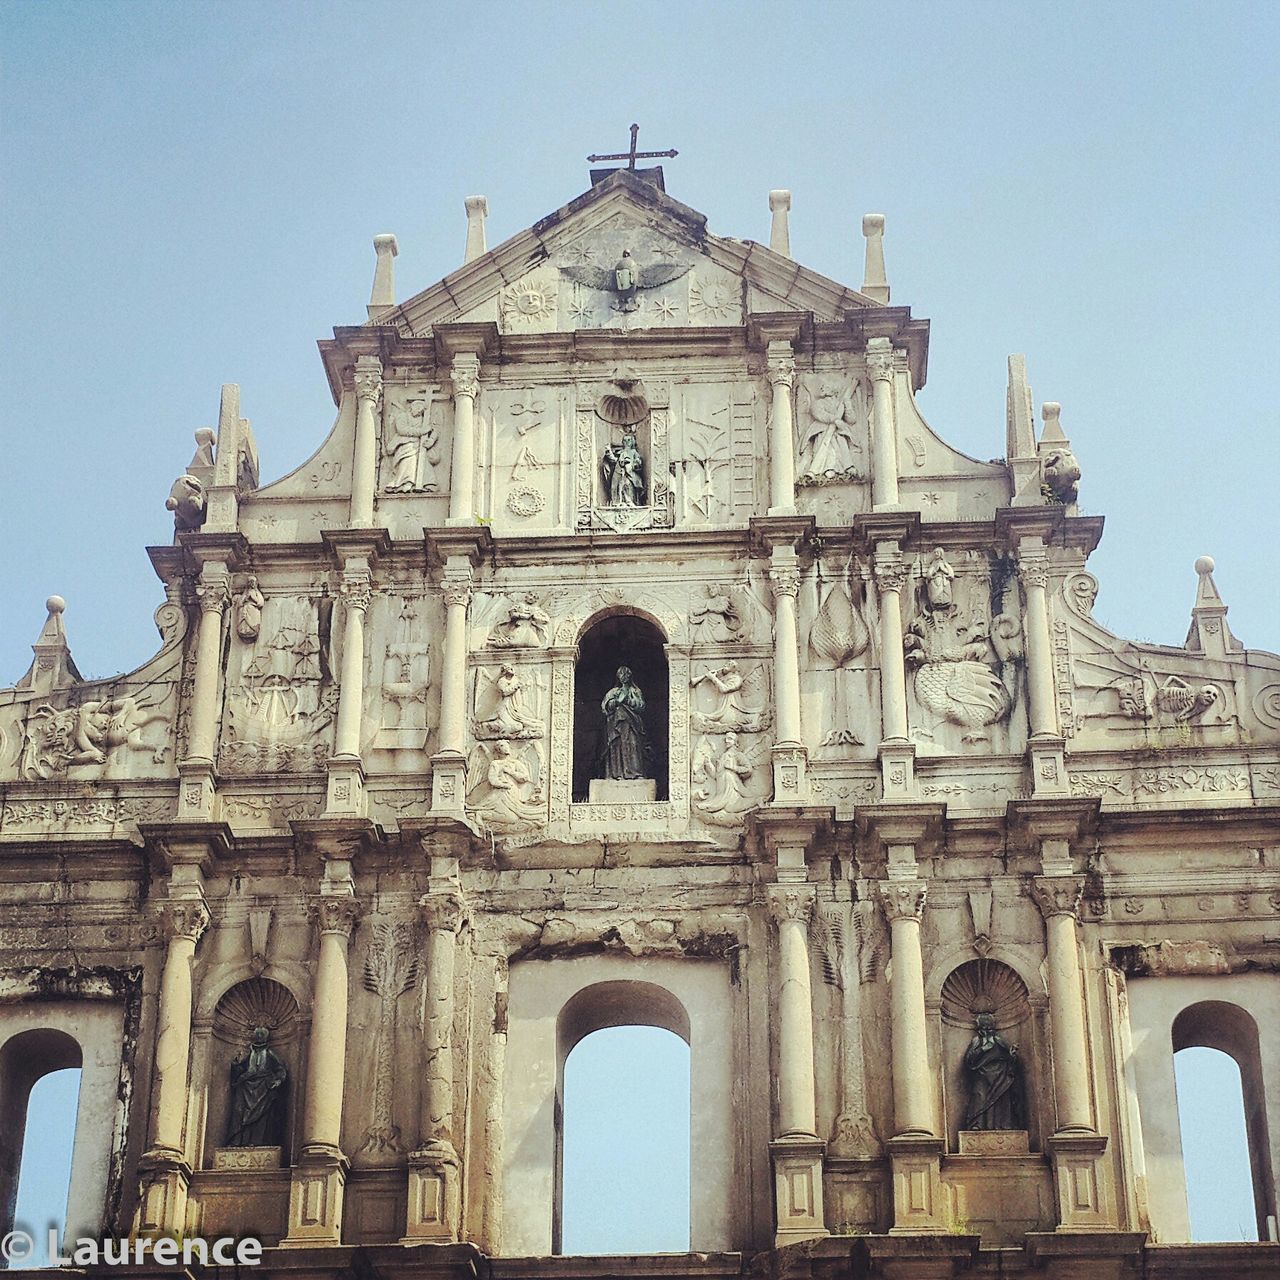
point(633, 155)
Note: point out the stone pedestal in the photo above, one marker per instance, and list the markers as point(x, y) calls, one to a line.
point(435, 1194)
point(346, 788)
point(315, 1198)
point(922, 1258)
point(917, 1185)
point(898, 770)
point(164, 1178)
point(1049, 766)
point(1080, 1181)
point(797, 1181)
point(622, 791)
point(448, 782)
point(1094, 1255)
point(994, 1142)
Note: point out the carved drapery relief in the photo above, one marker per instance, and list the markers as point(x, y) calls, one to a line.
point(526, 625)
point(281, 701)
point(962, 657)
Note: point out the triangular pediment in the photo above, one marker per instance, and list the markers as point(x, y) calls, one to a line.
point(563, 273)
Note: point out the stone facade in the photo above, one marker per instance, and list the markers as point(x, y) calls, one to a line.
point(900, 777)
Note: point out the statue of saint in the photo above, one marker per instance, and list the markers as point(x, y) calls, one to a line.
point(627, 752)
point(995, 1079)
point(257, 1096)
point(622, 468)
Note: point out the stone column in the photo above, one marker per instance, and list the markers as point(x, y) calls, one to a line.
point(790, 758)
point(346, 776)
point(781, 370)
point(196, 794)
point(915, 1149)
point(320, 1176)
point(897, 754)
point(364, 462)
point(466, 387)
point(1082, 1183)
point(435, 1169)
point(1048, 762)
point(797, 1149)
point(884, 442)
point(449, 762)
point(165, 1173)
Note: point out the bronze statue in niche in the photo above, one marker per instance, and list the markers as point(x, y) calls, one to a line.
point(627, 753)
point(257, 1095)
point(994, 1073)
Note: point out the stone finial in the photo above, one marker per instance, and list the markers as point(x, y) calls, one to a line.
point(53, 667)
point(779, 232)
point(1209, 633)
point(1059, 467)
point(1051, 413)
point(874, 282)
point(477, 210)
point(1020, 437)
point(386, 248)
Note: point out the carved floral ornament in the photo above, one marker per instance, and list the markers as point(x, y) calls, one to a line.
point(903, 899)
point(1033, 569)
point(466, 376)
point(443, 912)
point(794, 905)
point(879, 360)
point(357, 590)
point(214, 590)
point(185, 919)
point(890, 572)
point(1057, 895)
point(337, 913)
point(781, 369)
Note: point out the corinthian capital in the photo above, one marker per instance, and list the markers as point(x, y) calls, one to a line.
point(781, 368)
point(784, 581)
point(368, 378)
point(444, 912)
point(456, 588)
point(792, 903)
point(1057, 895)
point(903, 899)
point(879, 359)
point(890, 572)
point(1033, 569)
point(357, 589)
point(185, 918)
point(337, 913)
point(466, 376)
point(214, 588)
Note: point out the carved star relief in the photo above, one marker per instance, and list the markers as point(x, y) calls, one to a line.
point(664, 309)
point(579, 309)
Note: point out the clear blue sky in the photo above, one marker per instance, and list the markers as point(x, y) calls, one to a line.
point(190, 191)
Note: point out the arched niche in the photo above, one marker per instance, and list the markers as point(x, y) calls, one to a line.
point(987, 987)
point(1226, 1027)
point(554, 1004)
point(609, 641)
point(252, 1003)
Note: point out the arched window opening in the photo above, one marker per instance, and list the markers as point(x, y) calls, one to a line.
point(1215, 1148)
point(1222, 1115)
point(39, 1103)
point(624, 1149)
point(616, 641)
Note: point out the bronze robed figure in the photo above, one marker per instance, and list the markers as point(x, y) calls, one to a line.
point(994, 1071)
point(627, 752)
point(257, 1096)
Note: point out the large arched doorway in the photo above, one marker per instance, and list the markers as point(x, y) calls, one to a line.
point(614, 641)
point(622, 1122)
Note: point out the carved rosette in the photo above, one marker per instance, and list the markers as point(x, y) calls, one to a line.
point(791, 904)
point(903, 899)
point(443, 912)
point(185, 918)
point(1057, 895)
point(338, 913)
point(890, 573)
